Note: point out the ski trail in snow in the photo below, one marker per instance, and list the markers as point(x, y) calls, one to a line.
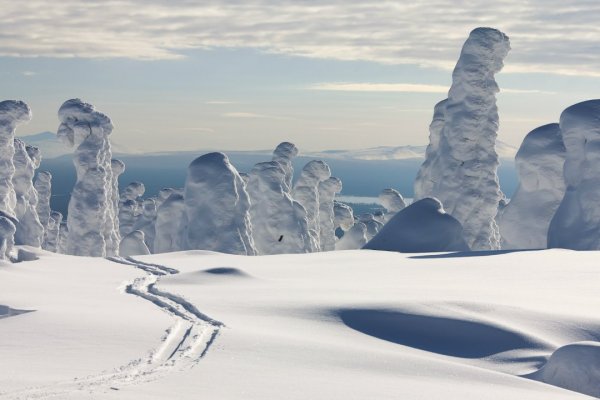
point(184, 344)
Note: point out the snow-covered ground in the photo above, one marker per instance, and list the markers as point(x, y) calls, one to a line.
point(336, 325)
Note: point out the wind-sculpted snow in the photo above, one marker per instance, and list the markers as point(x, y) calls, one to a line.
point(52, 235)
point(576, 224)
point(420, 228)
point(43, 187)
point(29, 229)
point(7, 236)
point(279, 223)
point(306, 192)
point(91, 207)
point(63, 235)
point(216, 207)
point(524, 221)
point(354, 238)
point(12, 114)
point(392, 201)
point(460, 170)
point(146, 222)
point(327, 191)
point(284, 153)
point(170, 224)
point(113, 229)
point(372, 224)
point(133, 245)
point(343, 216)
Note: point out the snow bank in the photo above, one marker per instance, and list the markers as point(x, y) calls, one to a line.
point(461, 170)
point(576, 224)
point(392, 201)
point(524, 221)
point(170, 224)
point(574, 367)
point(327, 191)
point(306, 192)
point(12, 114)
point(279, 223)
point(284, 153)
point(420, 228)
point(134, 244)
point(216, 207)
point(26, 160)
point(90, 207)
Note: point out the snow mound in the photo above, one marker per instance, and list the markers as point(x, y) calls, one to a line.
point(216, 207)
point(421, 227)
point(575, 366)
point(524, 221)
point(461, 168)
point(576, 224)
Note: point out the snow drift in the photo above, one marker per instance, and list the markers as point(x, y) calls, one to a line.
point(460, 169)
point(419, 228)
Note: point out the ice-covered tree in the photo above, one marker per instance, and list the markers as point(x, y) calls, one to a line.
point(343, 216)
point(327, 191)
point(134, 244)
point(284, 153)
point(576, 223)
point(171, 224)
point(52, 237)
point(87, 131)
point(461, 170)
point(354, 238)
point(43, 187)
point(371, 223)
point(279, 223)
point(392, 201)
point(7, 237)
point(146, 222)
point(524, 221)
point(216, 207)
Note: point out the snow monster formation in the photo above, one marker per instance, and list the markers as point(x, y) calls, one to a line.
point(306, 192)
point(113, 227)
point(26, 160)
point(392, 201)
point(91, 209)
point(284, 153)
point(327, 191)
point(43, 187)
point(524, 221)
point(343, 216)
point(279, 223)
point(354, 238)
point(133, 245)
point(12, 114)
point(7, 237)
point(576, 223)
point(461, 172)
point(52, 234)
point(421, 227)
point(170, 224)
point(146, 222)
point(216, 207)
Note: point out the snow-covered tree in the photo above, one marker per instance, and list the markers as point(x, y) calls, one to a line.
point(43, 187)
point(354, 238)
point(343, 216)
point(327, 191)
point(284, 153)
point(134, 244)
point(170, 225)
point(392, 201)
point(7, 236)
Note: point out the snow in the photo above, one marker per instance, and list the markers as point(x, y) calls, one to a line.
point(354, 238)
point(306, 192)
point(343, 216)
point(170, 224)
point(7, 237)
point(284, 153)
point(43, 187)
point(216, 207)
point(392, 201)
point(91, 213)
point(421, 227)
point(279, 223)
point(52, 232)
point(576, 224)
point(327, 192)
point(460, 170)
point(146, 222)
point(134, 244)
point(371, 223)
point(524, 222)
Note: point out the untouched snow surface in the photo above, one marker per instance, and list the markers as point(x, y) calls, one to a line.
point(350, 325)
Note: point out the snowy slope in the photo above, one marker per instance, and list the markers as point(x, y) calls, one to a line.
point(352, 324)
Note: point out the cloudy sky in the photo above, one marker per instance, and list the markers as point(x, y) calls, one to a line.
point(183, 74)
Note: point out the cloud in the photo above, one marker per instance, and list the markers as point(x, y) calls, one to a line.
point(403, 88)
point(248, 115)
point(29, 73)
point(549, 36)
point(219, 102)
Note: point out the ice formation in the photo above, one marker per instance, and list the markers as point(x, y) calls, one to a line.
point(306, 192)
point(343, 216)
point(12, 114)
point(91, 205)
point(52, 236)
point(284, 153)
point(392, 201)
point(113, 227)
point(524, 221)
point(419, 228)
point(279, 223)
point(575, 366)
point(371, 223)
point(133, 245)
point(63, 235)
point(7, 236)
point(354, 238)
point(130, 207)
point(460, 169)
point(216, 207)
point(327, 191)
point(146, 222)
point(133, 191)
point(43, 187)
point(576, 224)
point(170, 224)
point(29, 229)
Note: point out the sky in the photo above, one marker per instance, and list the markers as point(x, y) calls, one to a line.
point(246, 75)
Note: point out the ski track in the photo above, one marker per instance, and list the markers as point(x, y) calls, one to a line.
point(182, 346)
